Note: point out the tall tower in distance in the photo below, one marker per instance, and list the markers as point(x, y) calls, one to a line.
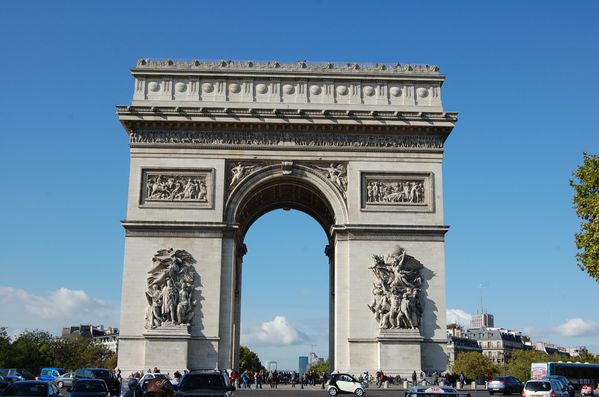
point(482, 320)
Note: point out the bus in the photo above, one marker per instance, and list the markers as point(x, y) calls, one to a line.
point(579, 374)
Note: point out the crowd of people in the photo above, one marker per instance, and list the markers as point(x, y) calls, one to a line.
point(258, 379)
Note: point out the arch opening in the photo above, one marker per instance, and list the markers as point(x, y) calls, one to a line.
point(304, 192)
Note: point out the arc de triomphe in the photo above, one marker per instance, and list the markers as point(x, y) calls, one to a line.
point(216, 145)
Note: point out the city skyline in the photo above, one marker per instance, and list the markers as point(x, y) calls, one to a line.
point(520, 77)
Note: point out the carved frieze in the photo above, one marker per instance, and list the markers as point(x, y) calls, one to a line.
point(170, 289)
point(239, 170)
point(403, 192)
point(396, 301)
point(303, 140)
point(177, 188)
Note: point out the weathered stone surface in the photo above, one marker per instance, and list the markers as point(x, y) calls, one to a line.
point(214, 145)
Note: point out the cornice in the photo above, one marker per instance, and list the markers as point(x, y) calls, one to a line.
point(277, 67)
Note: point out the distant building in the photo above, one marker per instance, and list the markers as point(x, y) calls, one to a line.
point(454, 329)
point(457, 345)
point(552, 349)
point(303, 364)
point(313, 359)
point(482, 320)
point(104, 336)
point(498, 343)
point(271, 365)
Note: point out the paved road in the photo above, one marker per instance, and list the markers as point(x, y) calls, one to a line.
point(313, 392)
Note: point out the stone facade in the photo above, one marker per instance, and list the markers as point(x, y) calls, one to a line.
point(216, 145)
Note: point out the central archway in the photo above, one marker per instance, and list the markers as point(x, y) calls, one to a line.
point(284, 186)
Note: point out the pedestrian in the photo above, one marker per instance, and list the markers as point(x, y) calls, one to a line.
point(414, 377)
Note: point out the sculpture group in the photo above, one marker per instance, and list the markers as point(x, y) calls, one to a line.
point(170, 289)
point(396, 301)
point(396, 192)
point(176, 188)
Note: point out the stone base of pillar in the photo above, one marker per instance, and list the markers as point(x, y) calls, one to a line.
point(399, 351)
point(167, 348)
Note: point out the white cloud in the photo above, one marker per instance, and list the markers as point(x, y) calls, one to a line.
point(276, 332)
point(458, 316)
point(578, 327)
point(21, 309)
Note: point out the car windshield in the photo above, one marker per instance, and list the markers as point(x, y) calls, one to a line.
point(26, 389)
point(93, 387)
point(101, 373)
point(202, 381)
point(538, 386)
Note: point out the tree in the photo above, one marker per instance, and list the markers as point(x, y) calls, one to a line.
point(248, 360)
point(586, 202)
point(31, 350)
point(319, 368)
point(5, 352)
point(519, 364)
point(474, 365)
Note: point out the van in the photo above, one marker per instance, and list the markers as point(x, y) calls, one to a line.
point(50, 374)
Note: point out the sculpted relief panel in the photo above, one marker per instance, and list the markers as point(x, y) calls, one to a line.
point(176, 188)
point(396, 291)
point(397, 192)
point(170, 285)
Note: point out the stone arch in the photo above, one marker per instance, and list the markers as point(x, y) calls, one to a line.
point(300, 188)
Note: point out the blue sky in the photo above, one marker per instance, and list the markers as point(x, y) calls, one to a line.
point(522, 75)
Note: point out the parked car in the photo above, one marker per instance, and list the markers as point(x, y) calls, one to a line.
point(107, 376)
point(564, 381)
point(3, 383)
point(505, 385)
point(50, 374)
point(89, 388)
point(65, 381)
point(212, 383)
point(544, 388)
point(143, 382)
point(345, 383)
point(32, 388)
point(20, 373)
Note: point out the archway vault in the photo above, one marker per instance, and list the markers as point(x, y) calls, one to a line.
point(298, 187)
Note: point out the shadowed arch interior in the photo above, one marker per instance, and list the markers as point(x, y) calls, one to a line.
point(286, 193)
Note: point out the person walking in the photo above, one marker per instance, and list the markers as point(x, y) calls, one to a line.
point(414, 377)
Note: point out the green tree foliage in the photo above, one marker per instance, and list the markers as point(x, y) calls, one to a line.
point(35, 350)
point(475, 366)
point(248, 360)
point(586, 202)
point(519, 364)
point(320, 368)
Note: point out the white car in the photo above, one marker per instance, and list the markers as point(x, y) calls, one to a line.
point(544, 388)
point(345, 383)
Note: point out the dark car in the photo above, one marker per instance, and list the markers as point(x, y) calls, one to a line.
point(20, 373)
point(505, 385)
point(3, 383)
point(90, 388)
point(107, 376)
point(32, 388)
point(205, 384)
point(564, 381)
point(434, 391)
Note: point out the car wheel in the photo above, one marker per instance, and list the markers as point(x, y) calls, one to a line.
point(359, 392)
point(60, 385)
point(490, 392)
point(333, 391)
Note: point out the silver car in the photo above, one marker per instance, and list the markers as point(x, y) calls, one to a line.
point(65, 381)
point(544, 388)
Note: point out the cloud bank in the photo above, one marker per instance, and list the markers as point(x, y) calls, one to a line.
point(276, 332)
point(578, 327)
point(20, 309)
point(458, 316)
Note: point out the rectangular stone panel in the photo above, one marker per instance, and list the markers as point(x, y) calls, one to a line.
point(178, 188)
point(409, 192)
